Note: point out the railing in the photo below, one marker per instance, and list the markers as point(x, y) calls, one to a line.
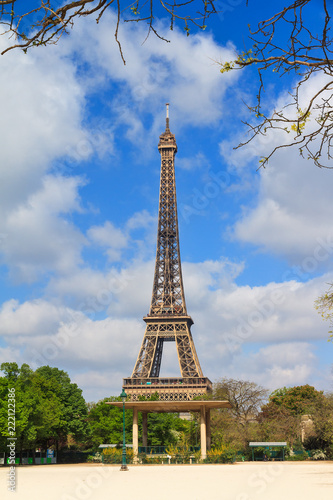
point(164, 382)
point(161, 450)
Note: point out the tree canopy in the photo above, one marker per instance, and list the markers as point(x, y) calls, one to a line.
point(106, 423)
point(50, 409)
point(48, 406)
point(281, 417)
point(298, 400)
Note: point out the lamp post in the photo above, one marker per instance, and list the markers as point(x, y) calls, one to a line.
point(123, 396)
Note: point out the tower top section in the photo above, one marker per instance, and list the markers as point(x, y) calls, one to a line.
point(167, 139)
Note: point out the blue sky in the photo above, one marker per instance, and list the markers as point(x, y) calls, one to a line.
point(79, 182)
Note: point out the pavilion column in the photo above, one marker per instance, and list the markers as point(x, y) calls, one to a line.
point(208, 428)
point(135, 433)
point(203, 433)
point(144, 429)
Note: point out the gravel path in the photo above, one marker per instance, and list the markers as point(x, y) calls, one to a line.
point(240, 481)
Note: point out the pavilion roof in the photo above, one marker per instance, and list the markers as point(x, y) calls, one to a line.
point(170, 406)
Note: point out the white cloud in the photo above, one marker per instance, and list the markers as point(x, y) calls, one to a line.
point(41, 118)
point(41, 124)
point(102, 344)
point(277, 312)
point(275, 366)
point(113, 287)
point(115, 240)
point(100, 384)
point(140, 220)
point(43, 333)
point(183, 72)
point(289, 214)
point(39, 239)
point(197, 162)
point(292, 214)
point(110, 237)
point(31, 318)
point(134, 299)
point(92, 291)
point(263, 334)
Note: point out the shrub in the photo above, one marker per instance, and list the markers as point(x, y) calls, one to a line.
point(329, 452)
point(179, 454)
point(72, 456)
point(96, 458)
point(114, 455)
point(146, 459)
point(298, 456)
point(318, 455)
point(221, 455)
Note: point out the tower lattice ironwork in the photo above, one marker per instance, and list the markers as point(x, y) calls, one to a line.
point(167, 319)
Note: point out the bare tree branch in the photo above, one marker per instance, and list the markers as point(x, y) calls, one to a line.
point(324, 306)
point(302, 53)
point(246, 398)
point(48, 22)
point(286, 44)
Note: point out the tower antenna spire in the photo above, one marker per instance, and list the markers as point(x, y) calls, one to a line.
point(167, 116)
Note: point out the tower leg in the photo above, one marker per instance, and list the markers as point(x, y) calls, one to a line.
point(144, 429)
point(203, 433)
point(135, 434)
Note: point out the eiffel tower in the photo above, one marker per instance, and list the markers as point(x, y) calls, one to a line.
point(167, 319)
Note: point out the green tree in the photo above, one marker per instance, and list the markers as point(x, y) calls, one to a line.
point(168, 429)
point(41, 406)
point(106, 426)
point(299, 400)
point(73, 407)
point(106, 423)
point(48, 407)
point(323, 427)
point(37, 411)
point(3, 412)
point(280, 418)
point(11, 370)
point(278, 423)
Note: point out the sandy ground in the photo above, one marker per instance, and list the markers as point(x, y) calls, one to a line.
point(240, 481)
